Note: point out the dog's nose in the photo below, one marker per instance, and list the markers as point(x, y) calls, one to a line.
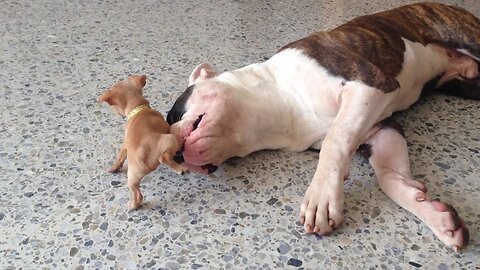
point(178, 157)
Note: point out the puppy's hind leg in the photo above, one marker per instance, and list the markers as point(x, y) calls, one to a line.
point(121, 157)
point(389, 158)
point(134, 178)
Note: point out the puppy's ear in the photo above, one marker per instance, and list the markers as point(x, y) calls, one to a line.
point(139, 80)
point(108, 97)
point(201, 72)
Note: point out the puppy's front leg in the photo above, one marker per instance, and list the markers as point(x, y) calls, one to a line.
point(168, 146)
point(121, 157)
point(361, 106)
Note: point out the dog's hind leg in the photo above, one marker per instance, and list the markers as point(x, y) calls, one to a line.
point(469, 88)
point(462, 40)
point(462, 76)
point(389, 158)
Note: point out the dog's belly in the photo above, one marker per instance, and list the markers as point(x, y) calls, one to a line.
point(315, 92)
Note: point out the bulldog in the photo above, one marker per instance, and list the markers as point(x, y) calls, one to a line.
point(335, 91)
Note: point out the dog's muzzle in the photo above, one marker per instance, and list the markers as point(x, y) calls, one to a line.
point(178, 157)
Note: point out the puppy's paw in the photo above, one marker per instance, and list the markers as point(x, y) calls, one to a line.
point(322, 208)
point(181, 170)
point(178, 168)
point(115, 169)
point(134, 204)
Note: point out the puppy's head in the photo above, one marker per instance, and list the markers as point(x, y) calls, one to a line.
point(125, 94)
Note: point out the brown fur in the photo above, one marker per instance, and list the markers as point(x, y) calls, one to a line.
point(370, 48)
point(147, 142)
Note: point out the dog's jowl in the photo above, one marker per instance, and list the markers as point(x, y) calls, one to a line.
point(334, 91)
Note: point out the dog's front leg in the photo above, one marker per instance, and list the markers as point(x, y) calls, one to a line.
point(322, 208)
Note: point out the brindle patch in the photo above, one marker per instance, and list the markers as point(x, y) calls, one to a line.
point(390, 123)
point(365, 150)
point(371, 49)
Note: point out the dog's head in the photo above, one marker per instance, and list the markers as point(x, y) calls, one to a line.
point(126, 94)
point(205, 120)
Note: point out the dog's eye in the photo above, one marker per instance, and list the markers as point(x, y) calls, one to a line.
point(195, 124)
point(178, 109)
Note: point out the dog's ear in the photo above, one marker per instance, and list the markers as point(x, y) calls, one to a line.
point(139, 80)
point(200, 73)
point(109, 97)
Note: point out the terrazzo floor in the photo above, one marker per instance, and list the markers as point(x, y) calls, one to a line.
point(60, 209)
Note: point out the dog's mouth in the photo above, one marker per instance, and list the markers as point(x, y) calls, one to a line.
point(178, 157)
point(207, 168)
point(197, 122)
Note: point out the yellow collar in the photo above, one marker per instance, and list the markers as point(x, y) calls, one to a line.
point(136, 110)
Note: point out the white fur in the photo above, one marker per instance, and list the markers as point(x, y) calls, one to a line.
point(304, 97)
point(295, 90)
point(421, 63)
point(466, 52)
point(291, 102)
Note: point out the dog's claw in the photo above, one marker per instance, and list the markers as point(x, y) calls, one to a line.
point(331, 222)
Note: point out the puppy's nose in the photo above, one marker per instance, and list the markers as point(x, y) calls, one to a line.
point(178, 157)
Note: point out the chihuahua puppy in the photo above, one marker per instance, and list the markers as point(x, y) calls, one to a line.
point(147, 142)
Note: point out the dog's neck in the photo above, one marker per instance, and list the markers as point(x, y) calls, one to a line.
point(136, 110)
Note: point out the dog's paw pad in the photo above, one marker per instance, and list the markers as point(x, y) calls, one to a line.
point(447, 225)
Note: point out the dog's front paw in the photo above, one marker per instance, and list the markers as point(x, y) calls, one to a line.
point(322, 208)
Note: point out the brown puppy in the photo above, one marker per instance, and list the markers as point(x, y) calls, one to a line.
point(147, 142)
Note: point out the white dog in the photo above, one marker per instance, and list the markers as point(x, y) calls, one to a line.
point(336, 90)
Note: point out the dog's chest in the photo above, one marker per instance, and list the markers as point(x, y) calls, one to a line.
point(310, 95)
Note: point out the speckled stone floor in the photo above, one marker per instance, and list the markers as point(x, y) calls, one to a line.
point(59, 209)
